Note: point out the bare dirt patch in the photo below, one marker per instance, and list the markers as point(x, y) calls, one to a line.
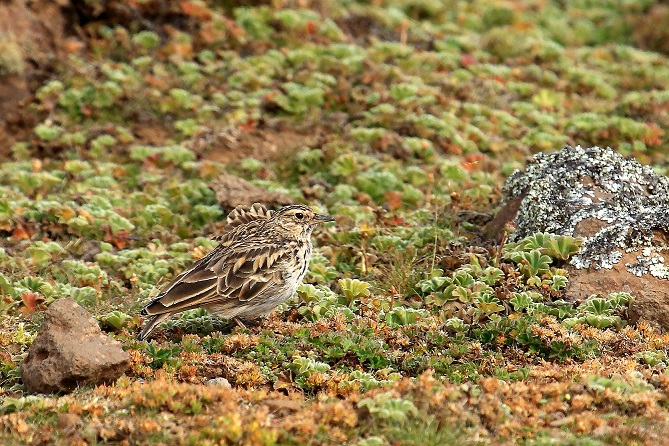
point(232, 144)
point(31, 34)
point(232, 191)
point(647, 34)
point(150, 130)
point(36, 28)
point(362, 28)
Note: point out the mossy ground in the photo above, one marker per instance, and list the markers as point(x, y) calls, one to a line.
point(409, 329)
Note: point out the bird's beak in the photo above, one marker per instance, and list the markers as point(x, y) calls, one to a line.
point(320, 218)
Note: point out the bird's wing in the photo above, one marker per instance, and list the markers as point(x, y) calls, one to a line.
point(228, 272)
point(250, 271)
point(192, 284)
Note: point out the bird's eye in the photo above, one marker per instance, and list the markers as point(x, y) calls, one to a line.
point(299, 215)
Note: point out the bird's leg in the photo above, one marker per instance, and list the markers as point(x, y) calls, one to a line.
point(239, 323)
point(250, 323)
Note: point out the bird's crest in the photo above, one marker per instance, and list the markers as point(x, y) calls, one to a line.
point(243, 214)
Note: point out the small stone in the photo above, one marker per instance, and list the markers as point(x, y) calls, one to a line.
point(68, 423)
point(70, 350)
point(218, 382)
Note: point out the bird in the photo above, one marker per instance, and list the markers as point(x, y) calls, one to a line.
point(261, 258)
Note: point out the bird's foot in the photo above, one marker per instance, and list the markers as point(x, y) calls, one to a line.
point(239, 323)
point(249, 323)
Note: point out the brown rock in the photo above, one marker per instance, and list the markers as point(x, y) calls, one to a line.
point(650, 293)
point(68, 423)
point(232, 191)
point(70, 350)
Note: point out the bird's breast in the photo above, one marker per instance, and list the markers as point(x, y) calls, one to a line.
point(302, 260)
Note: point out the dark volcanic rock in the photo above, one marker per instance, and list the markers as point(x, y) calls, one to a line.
point(70, 350)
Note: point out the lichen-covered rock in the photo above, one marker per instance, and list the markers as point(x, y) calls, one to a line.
point(70, 350)
point(563, 190)
point(618, 206)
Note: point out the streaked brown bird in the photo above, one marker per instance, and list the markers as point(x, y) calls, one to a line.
point(261, 258)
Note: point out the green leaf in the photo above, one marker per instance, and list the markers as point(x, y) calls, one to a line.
point(600, 321)
point(456, 324)
point(534, 263)
point(6, 286)
point(354, 289)
point(521, 301)
point(146, 39)
point(491, 307)
point(403, 316)
point(562, 247)
point(115, 319)
point(559, 282)
point(598, 306)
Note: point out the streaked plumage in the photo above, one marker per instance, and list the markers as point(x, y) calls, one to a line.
point(260, 260)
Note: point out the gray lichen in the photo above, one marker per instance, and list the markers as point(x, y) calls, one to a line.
point(650, 262)
point(564, 188)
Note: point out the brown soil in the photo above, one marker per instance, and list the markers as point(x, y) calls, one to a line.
point(263, 144)
point(232, 191)
point(36, 32)
point(647, 34)
point(41, 30)
point(362, 28)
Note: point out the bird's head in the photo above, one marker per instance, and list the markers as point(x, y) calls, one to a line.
point(297, 221)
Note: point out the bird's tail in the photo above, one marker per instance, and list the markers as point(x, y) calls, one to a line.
point(151, 324)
